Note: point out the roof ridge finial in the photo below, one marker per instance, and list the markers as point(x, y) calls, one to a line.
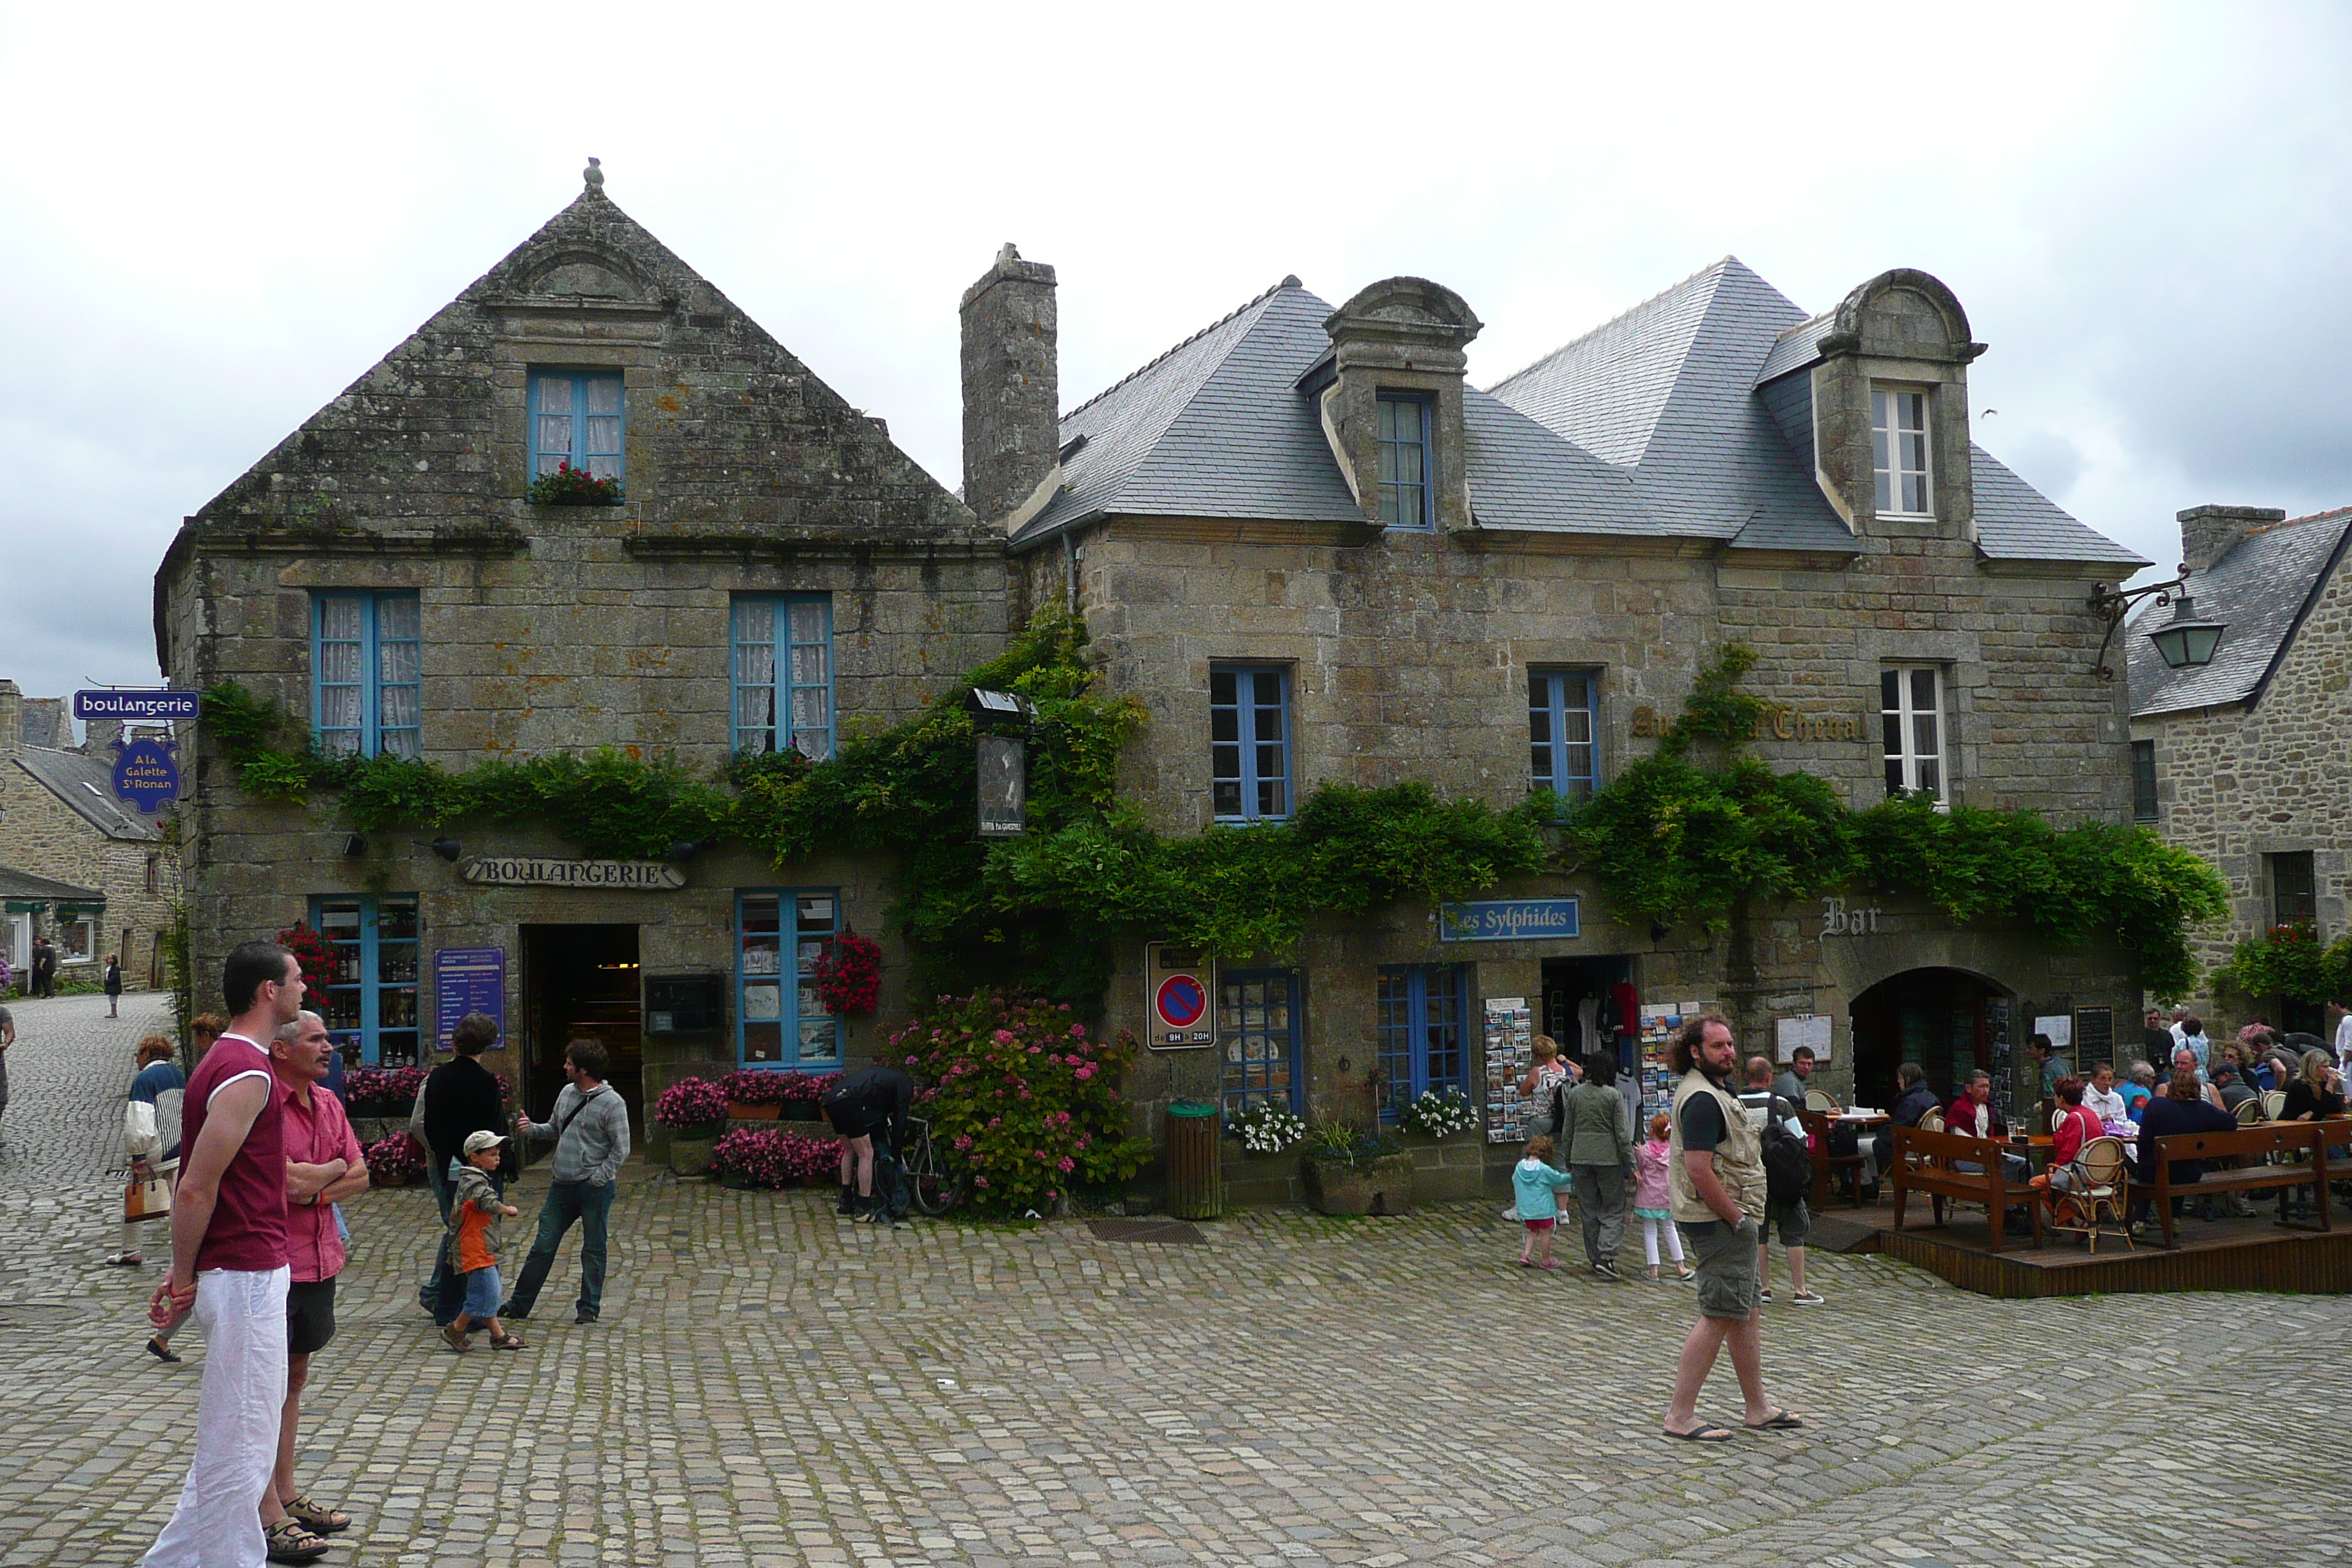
point(592, 176)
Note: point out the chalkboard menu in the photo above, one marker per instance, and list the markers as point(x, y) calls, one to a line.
point(2095, 1037)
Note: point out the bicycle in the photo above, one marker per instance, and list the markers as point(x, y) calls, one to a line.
point(933, 1188)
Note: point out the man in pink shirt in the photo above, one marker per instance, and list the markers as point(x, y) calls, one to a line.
point(228, 1266)
point(316, 1132)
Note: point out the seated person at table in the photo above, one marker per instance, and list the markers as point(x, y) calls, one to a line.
point(2181, 1108)
point(2185, 1060)
point(2077, 1126)
point(1913, 1101)
point(2230, 1085)
point(2312, 1095)
point(1972, 1116)
point(2100, 1096)
point(1793, 1084)
point(2139, 1085)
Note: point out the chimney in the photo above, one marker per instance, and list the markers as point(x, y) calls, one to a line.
point(2207, 532)
point(1012, 389)
point(12, 719)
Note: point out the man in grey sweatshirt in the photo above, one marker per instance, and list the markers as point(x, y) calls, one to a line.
point(589, 1129)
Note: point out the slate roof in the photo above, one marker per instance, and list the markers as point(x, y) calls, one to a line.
point(25, 886)
point(2260, 589)
point(1650, 425)
point(84, 782)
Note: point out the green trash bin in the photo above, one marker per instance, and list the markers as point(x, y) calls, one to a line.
point(1196, 1173)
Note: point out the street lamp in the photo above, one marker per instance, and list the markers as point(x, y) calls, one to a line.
point(2186, 641)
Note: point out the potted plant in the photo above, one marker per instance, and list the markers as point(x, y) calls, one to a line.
point(1266, 1128)
point(1439, 1114)
point(693, 1112)
point(1353, 1170)
point(755, 1094)
point(849, 975)
point(395, 1161)
point(765, 1157)
point(568, 485)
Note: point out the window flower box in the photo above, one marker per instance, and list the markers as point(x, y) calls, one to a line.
point(567, 486)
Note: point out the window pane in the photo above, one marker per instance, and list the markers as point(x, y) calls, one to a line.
point(755, 664)
point(555, 395)
point(1930, 777)
point(811, 664)
point(398, 617)
point(1923, 690)
point(399, 708)
point(755, 621)
point(603, 438)
point(338, 664)
point(1220, 688)
point(1391, 509)
point(1408, 463)
point(809, 621)
point(809, 709)
point(339, 708)
point(1890, 726)
point(554, 441)
point(405, 743)
point(1894, 774)
point(1225, 797)
point(1923, 730)
point(602, 467)
point(603, 396)
point(398, 663)
point(816, 745)
point(341, 617)
point(1890, 688)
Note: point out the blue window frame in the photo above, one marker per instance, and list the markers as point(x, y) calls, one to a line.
point(1563, 721)
point(575, 418)
point(373, 998)
point(784, 674)
point(366, 669)
point(1424, 1041)
point(780, 1021)
point(1405, 486)
point(1259, 1033)
point(1249, 741)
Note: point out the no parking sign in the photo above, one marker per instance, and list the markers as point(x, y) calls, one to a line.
point(1180, 986)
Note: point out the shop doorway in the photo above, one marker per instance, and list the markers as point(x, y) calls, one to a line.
point(1580, 1009)
point(582, 981)
point(1949, 1021)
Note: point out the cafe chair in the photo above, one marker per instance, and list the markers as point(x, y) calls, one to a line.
point(2250, 1113)
point(2273, 1102)
point(1816, 1101)
point(2107, 1198)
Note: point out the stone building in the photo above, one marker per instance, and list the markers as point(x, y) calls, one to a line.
point(776, 570)
point(90, 872)
point(1315, 554)
point(2244, 760)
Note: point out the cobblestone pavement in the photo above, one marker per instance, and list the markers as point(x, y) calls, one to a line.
point(771, 1387)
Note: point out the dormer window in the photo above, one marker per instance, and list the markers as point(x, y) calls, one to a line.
point(1898, 448)
point(1404, 462)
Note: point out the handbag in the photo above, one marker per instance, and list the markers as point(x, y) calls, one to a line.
point(150, 1199)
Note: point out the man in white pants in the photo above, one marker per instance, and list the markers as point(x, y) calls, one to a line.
point(228, 1266)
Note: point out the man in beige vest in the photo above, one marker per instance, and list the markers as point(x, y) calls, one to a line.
point(1715, 1176)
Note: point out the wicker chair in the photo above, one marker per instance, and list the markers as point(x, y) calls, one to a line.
point(2249, 1112)
point(1816, 1101)
point(2107, 1196)
point(2273, 1102)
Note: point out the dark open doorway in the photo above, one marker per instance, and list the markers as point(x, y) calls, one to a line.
point(581, 981)
point(1946, 1020)
point(1579, 1010)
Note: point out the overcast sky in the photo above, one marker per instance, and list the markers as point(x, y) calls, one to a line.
point(213, 219)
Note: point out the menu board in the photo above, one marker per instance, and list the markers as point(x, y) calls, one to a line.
point(1659, 1023)
point(1996, 1046)
point(1510, 1051)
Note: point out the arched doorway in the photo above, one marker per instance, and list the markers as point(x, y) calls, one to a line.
point(1949, 1021)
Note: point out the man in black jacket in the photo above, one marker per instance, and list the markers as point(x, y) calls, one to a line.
point(461, 1097)
point(870, 1100)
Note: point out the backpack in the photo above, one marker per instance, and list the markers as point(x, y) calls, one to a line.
point(1788, 1165)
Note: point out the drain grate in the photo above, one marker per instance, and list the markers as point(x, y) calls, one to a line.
point(1160, 1230)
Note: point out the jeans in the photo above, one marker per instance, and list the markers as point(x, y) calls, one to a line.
point(445, 1289)
point(1601, 1200)
point(568, 1202)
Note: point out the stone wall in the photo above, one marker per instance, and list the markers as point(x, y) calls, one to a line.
point(2235, 785)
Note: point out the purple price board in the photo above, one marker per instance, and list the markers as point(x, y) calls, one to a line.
point(467, 980)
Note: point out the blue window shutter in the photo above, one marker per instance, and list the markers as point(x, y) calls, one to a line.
point(1250, 770)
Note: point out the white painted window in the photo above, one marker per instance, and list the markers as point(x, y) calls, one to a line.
point(1911, 717)
point(77, 941)
point(1898, 447)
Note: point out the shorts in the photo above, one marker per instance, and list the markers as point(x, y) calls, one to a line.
point(483, 1292)
point(309, 1316)
point(1725, 1257)
point(1794, 1221)
point(1539, 1226)
point(851, 1119)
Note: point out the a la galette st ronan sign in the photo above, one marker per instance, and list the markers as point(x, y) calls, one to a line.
point(528, 871)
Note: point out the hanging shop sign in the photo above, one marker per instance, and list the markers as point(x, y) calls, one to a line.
point(149, 706)
point(531, 871)
point(146, 775)
point(1180, 986)
point(1003, 770)
point(467, 980)
point(1508, 919)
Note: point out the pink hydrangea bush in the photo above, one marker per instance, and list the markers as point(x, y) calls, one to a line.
point(1020, 1098)
point(758, 1157)
point(395, 1161)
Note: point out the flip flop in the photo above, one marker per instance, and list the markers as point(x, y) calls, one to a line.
point(1701, 1434)
point(1779, 1421)
point(162, 1352)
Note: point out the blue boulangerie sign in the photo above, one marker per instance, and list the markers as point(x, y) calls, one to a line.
point(1508, 919)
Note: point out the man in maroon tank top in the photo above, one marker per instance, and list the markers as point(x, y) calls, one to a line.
point(228, 1264)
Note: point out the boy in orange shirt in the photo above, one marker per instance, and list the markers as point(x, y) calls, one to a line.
point(474, 1214)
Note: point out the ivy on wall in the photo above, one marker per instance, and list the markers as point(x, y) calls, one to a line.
point(1672, 839)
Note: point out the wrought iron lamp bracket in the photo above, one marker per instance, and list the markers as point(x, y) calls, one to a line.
point(2112, 604)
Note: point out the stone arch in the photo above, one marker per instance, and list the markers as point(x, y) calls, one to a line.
point(583, 272)
point(1410, 303)
point(1905, 313)
point(1935, 1013)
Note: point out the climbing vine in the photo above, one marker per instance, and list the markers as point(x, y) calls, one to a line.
point(2288, 962)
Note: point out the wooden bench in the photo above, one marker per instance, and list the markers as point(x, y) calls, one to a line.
point(1925, 1162)
point(2283, 1140)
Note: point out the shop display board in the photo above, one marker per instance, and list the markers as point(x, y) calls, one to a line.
point(1659, 1022)
point(1997, 1047)
point(1510, 1051)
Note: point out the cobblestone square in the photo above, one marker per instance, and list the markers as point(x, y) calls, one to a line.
point(770, 1386)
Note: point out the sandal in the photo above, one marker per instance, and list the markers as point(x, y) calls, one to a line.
point(1779, 1421)
point(1702, 1433)
point(162, 1352)
point(506, 1342)
point(125, 1260)
point(290, 1542)
point(455, 1338)
point(316, 1519)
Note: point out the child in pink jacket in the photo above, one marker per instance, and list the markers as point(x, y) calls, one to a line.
point(1652, 1198)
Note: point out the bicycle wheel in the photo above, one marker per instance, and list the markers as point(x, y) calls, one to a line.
point(936, 1192)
